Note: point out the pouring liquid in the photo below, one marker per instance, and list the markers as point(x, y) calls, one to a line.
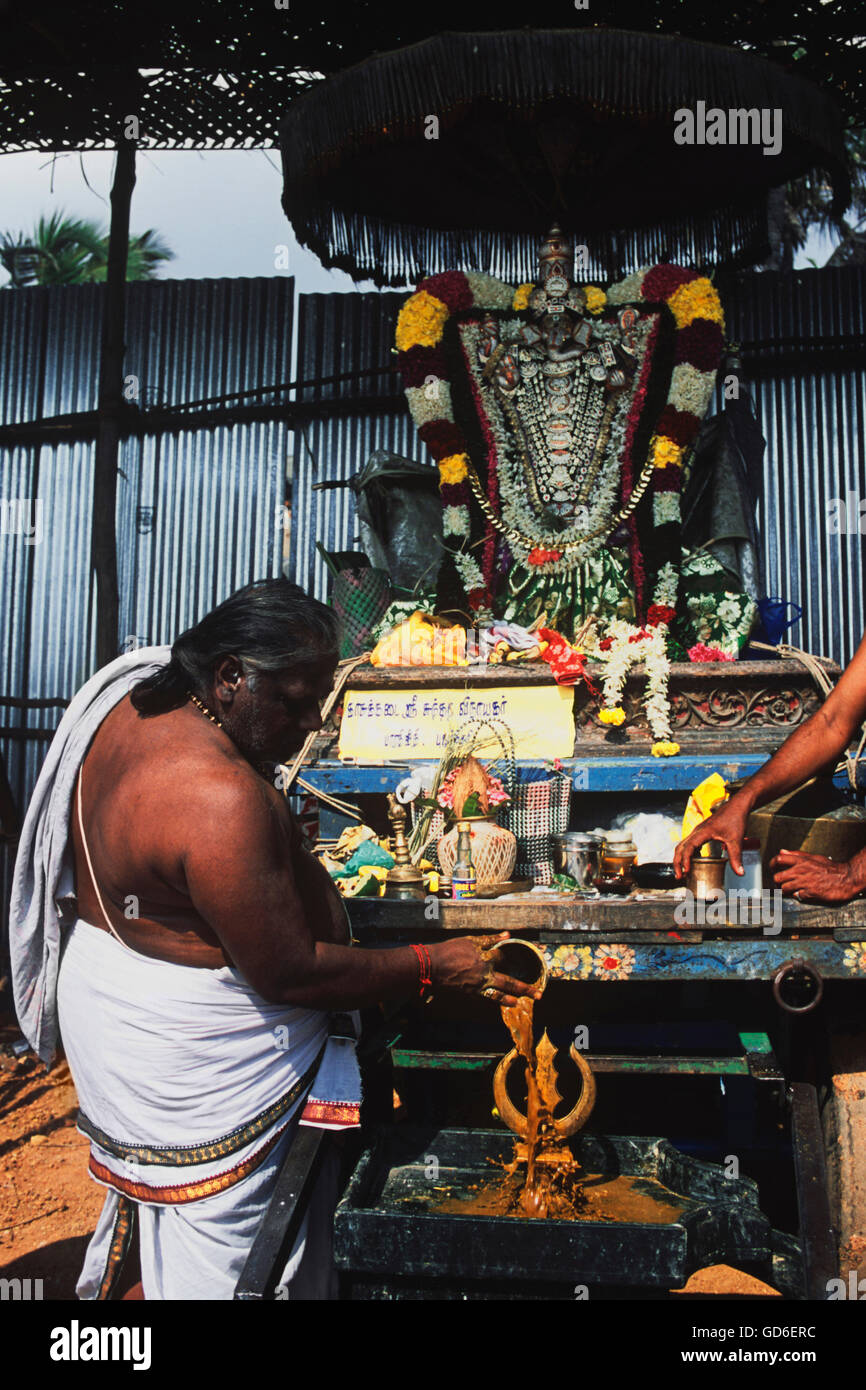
point(549, 1189)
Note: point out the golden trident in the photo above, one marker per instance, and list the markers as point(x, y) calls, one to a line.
point(551, 1133)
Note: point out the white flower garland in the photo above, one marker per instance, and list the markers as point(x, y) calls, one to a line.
point(468, 569)
point(666, 508)
point(627, 290)
point(690, 389)
point(488, 292)
point(430, 401)
point(618, 661)
point(667, 584)
point(455, 521)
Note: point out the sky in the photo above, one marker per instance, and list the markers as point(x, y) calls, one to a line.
point(219, 210)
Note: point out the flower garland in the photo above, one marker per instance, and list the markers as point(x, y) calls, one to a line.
point(697, 314)
point(623, 646)
point(701, 652)
point(625, 446)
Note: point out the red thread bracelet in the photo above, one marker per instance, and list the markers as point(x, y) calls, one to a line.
point(424, 967)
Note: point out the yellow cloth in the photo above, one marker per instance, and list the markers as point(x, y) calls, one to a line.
point(701, 804)
point(422, 640)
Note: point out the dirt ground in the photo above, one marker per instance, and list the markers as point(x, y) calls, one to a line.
point(49, 1204)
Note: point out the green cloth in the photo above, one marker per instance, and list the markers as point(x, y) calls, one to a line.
point(369, 853)
point(600, 585)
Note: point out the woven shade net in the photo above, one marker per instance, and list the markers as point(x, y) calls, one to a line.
point(360, 598)
point(574, 126)
point(200, 74)
point(58, 109)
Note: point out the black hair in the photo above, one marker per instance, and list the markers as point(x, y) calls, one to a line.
point(270, 625)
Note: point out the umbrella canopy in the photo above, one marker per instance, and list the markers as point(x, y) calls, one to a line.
point(463, 149)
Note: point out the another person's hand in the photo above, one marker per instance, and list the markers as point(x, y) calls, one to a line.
point(728, 824)
point(461, 964)
point(812, 877)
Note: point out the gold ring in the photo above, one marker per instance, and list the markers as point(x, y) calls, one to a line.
point(490, 993)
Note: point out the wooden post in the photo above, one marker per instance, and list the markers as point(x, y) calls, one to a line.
point(110, 408)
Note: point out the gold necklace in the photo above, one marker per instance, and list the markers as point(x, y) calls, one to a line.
point(204, 709)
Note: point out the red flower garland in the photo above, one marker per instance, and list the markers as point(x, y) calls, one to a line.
point(660, 613)
point(679, 425)
point(451, 288)
point(419, 363)
point(443, 438)
point(700, 345)
point(627, 480)
point(668, 479)
point(478, 598)
point(663, 280)
point(455, 494)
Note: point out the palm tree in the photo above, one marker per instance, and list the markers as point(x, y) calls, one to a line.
point(805, 203)
point(144, 255)
point(69, 251)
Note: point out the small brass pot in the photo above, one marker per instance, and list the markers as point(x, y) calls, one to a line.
point(706, 877)
point(522, 960)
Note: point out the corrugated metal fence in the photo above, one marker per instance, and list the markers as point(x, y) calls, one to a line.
point(353, 335)
point(199, 508)
point(804, 363)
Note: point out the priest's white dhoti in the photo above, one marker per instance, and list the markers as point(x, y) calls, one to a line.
point(191, 1087)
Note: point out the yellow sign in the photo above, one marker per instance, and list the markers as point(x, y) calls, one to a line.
point(403, 724)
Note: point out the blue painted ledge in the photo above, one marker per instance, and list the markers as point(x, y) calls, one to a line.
point(602, 774)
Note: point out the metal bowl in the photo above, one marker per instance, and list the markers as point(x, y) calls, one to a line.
point(522, 960)
point(655, 876)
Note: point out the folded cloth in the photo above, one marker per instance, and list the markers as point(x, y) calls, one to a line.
point(334, 1101)
point(43, 883)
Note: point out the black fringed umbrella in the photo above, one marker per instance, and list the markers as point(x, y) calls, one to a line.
point(462, 150)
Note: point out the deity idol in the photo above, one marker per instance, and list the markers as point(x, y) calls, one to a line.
point(561, 417)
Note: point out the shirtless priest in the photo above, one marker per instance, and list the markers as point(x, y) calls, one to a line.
point(168, 922)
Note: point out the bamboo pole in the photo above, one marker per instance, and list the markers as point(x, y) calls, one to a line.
point(110, 409)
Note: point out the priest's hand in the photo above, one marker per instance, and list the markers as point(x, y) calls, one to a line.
point(461, 964)
point(728, 824)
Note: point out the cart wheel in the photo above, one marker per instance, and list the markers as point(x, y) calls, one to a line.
point(844, 1121)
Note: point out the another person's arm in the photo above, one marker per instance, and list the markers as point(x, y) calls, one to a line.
point(818, 743)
